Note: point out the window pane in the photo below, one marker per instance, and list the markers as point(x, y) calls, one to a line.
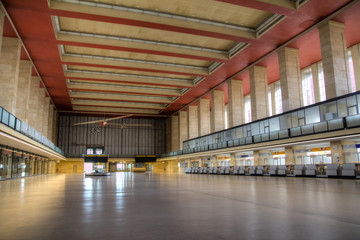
point(312, 115)
point(5, 117)
point(307, 86)
point(321, 82)
point(247, 109)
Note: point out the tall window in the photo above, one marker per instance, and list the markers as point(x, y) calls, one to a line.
point(307, 86)
point(278, 98)
point(247, 108)
point(269, 101)
point(322, 88)
point(351, 72)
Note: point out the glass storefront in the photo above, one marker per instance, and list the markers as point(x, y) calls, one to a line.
point(5, 166)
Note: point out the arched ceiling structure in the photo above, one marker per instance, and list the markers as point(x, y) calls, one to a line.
point(152, 58)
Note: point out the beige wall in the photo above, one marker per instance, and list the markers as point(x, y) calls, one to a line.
point(68, 166)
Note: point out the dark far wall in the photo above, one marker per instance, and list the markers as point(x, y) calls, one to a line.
point(118, 142)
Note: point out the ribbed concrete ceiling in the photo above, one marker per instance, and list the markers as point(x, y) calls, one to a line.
point(150, 57)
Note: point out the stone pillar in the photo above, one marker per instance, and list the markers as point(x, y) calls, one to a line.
point(214, 160)
point(289, 156)
point(193, 120)
point(2, 17)
point(217, 114)
point(175, 143)
point(168, 135)
point(9, 72)
point(204, 116)
point(273, 103)
point(50, 123)
point(232, 159)
point(337, 156)
point(40, 110)
point(315, 75)
point(356, 64)
point(23, 90)
point(334, 58)
point(258, 92)
point(183, 127)
point(33, 103)
point(55, 128)
point(46, 116)
point(236, 103)
point(256, 157)
point(290, 81)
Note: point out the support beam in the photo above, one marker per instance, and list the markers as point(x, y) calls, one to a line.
point(23, 90)
point(236, 103)
point(9, 72)
point(193, 120)
point(183, 127)
point(290, 81)
point(217, 114)
point(258, 92)
point(46, 116)
point(315, 76)
point(33, 103)
point(204, 116)
point(334, 58)
point(175, 138)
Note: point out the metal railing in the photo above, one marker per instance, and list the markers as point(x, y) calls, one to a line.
point(335, 114)
point(11, 121)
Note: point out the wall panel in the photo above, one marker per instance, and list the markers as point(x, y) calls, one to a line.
point(118, 142)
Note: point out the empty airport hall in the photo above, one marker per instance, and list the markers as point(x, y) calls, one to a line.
point(181, 119)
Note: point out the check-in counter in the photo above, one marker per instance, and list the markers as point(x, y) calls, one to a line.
point(260, 170)
point(236, 170)
point(332, 170)
point(252, 170)
point(188, 170)
point(310, 170)
point(203, 170)
point(282, 170)
point(348, 170)
point(321, 170)
point(228, 170)
point(222, 170)
point(243, 170)
point(273, 170)
point(195, 170)
point(215, 170)
point(299, 170)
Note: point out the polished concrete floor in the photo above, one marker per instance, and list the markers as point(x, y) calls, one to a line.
point(178, 206)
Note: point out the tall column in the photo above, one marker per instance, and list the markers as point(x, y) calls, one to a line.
point(33, 103)
point(9, 72)
point(46, 116)
point(289, 156)
point(258, 92)
point(236, 103)
point(289, 66)
point(175, 143)
point(55, 129)
point(168, 135)
point(50, 123)
point(337, 152)
point(214, 160)
point(256, 157)
point(273, 103)
point(2, 17)
point(204, 116)
point(334, 58)
point(40, 110)
point(183, 127)
point(356, 64)
point(217, 114)
point(315, 76)
point(23, 90)
point(193, 120)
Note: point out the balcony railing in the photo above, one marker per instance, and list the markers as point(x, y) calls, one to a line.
point(11, 121)
point(335, 114)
